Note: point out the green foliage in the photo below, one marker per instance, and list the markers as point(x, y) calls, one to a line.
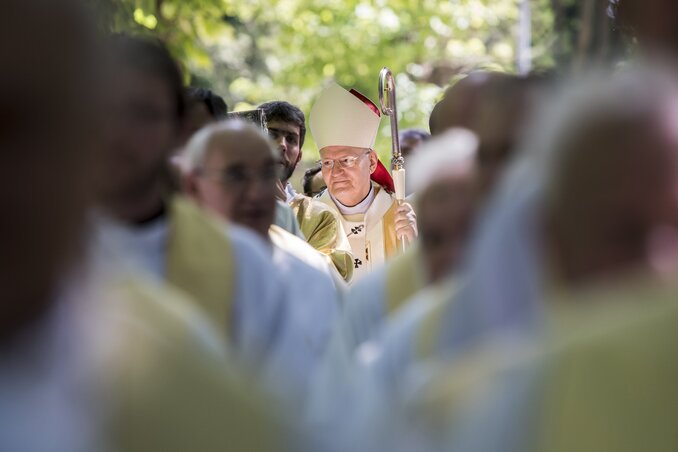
point(260, 50)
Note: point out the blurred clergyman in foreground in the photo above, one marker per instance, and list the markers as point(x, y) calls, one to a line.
point(163, 234)
point(51, 67)
point(233, 171)
point(91, 358)
point(566, 318)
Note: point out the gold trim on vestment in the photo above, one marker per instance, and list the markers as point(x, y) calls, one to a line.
point(200, 260)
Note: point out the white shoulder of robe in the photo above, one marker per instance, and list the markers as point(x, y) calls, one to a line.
point(365, 309)
point(312, 308)
point(259, 300)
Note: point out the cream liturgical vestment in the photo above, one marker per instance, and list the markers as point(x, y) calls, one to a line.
point(371, 233)
point(218, 266)
point(349, 119)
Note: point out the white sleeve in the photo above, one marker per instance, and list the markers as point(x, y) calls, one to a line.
point(365, 309)
point(259, 299)
point(396, 343)
point(359, 321)
point(312, 309)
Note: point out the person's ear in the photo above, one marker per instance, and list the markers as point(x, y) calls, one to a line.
point(374, 159)
point(189, 185)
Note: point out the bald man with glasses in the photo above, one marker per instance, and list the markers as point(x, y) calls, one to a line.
point(344, 125)
point(232, 170)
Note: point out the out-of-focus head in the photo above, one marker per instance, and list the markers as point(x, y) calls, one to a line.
point(286, 125)
point(49, 90)
point(410, 140)
point(613, 184)
point(146, 108)
point(495, 107)
point(654, 23)
point(203, 107)
point(232, 170)
point(443, 174)
point(313, 182)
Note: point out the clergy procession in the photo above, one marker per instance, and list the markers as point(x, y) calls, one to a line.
point(181, 277)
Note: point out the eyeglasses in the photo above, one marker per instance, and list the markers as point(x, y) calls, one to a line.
point(238, 177)
point(346, 162)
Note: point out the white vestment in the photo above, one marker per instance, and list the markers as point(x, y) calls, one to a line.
point(39, 374)
point(364, 230)
point(259, 301)
point(298, 248)
point(53, 398)
point(313, 306)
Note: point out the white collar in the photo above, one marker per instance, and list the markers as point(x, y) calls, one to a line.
point(362, 207)
point(291, 192)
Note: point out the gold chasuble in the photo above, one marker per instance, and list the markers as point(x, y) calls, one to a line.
point(371, 235)
point(602, 378)
point(404, 278)
point(611, 378)
point(162, 387)
point(324, 232)
point(200, 260)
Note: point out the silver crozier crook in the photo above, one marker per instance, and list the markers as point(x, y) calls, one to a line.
point(387, 98)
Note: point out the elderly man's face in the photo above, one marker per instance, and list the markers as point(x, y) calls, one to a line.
point(237, 180)
point(347, 171)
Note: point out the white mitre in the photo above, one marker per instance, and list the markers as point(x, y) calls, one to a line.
point(442, 156)
point(342, 118)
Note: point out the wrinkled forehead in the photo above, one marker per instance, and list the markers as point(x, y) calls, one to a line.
point(337, 152)
point(240, 148)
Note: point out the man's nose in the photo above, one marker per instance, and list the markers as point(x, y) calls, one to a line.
point(282, 142)
point(337, 169)
point(258, 189)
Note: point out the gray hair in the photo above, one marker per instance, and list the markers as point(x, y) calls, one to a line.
point(197, 148)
